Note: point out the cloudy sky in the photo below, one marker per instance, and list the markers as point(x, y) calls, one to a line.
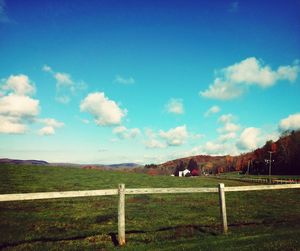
point(146, 81)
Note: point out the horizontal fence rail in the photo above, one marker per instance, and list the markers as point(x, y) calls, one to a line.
point(170, 190)
point(122, 191)
point(263, 187)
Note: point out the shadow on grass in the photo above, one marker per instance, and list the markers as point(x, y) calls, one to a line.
point(180, 231)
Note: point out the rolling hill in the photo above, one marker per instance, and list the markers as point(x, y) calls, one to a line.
point(285, 159)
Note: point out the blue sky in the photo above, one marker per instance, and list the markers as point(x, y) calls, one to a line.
point(146, 81)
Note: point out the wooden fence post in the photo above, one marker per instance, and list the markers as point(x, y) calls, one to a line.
point(121, 215)
point(223, 207)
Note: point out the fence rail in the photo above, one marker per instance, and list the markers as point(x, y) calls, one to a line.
point(261, 180)
point(122, 191)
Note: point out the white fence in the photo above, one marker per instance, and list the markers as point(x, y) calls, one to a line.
point(122, 191)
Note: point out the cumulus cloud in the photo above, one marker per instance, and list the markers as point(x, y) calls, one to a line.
point(63, 79)
point(175, 136)
point(51, 122)
point(227, 136)
point(17, 108)
point(175, 106)
point(105, 111)
point(124, 133)
point(212, 110)
point(226, 118)
point(292, 122)
point(50, 126)
point(229, 129)
point(19, 84)
point(213, 148)
point(233, 80)
point(46, 131)
point(249, 139)
point(125, 81)
point(47, 68)
point(154, 143)
point(12, 125)
point(65, 86)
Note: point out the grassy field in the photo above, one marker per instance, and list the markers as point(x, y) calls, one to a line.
point(262, 220)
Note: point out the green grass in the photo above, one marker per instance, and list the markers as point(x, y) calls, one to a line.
point(258, 220)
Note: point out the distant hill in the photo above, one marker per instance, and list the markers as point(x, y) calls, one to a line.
point(285, 159)
point(86, 166)
point(120, 166)
point(23, 162)
point(124, 165)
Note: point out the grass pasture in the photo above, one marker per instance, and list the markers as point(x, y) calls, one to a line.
point(258, 220)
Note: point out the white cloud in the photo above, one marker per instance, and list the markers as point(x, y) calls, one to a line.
point(227, 136)
point(213, 148)
point(16, 107)
point(175, 106)
point(11, 125)
point(234, 79)
point(175, 136)
point(65, 86)
point(250, 139)
point(51, 122)
point(125, 81)
point(226, 118)
point(125, 133)
point(63, 79)
point(288, 72)
point(212, 110)
point(154, 143)
point(223, 90)
point(50, 126)
point(105, 111)
point(229, 128)
point(47, 68)
point(47, 130)
point(19, 106)
point(292, 122)
point(19, 84)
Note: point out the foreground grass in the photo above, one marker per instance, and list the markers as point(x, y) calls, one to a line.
point(265, 220)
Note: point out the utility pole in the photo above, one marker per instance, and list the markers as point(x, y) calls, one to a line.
point(270, 165)
point(249, 163)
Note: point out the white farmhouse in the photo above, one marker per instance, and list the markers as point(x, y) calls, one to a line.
point(183, 173)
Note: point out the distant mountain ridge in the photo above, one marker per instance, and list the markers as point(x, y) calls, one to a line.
point(23, 162)
point(42, 162)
